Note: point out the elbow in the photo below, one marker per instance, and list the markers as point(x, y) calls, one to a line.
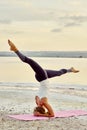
point(52, 115)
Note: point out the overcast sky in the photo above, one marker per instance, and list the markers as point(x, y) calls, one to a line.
point(44, 24)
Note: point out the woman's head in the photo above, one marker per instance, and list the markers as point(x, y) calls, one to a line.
point(39, 109)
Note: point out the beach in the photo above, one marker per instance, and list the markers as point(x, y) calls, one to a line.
point(18, 90)
point(19, 102)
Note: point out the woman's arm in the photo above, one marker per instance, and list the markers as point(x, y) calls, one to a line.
point(44, 115)
point(37, 100)
point(43, 102)
point(50, 111)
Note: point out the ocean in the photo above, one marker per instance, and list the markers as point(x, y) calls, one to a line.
point(17, 78)
point(15, 73)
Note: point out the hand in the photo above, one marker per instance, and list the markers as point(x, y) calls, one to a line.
point(37, 99)
point(36, 113)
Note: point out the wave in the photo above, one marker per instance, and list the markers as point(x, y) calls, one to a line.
point(34, 86)
point(64, 54)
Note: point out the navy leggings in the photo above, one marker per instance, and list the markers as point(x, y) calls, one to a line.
point(40, 73)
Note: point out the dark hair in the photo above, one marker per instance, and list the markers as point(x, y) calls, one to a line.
point(39, 109)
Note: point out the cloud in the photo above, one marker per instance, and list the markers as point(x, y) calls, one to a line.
point(56, 30)
point(14, 10)
point(80, 18)
point(12, 32)
point(5, 21)
point(78, 3)
point(72, 24)
point(30, 10)
point(74, 17)
point(69, 21)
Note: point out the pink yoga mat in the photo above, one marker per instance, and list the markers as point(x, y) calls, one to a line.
point(63, 114)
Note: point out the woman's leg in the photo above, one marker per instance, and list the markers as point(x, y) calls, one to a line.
point(54, 73)
point(39, 71)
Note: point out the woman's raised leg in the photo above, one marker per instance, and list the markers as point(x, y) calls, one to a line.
point(39, 71)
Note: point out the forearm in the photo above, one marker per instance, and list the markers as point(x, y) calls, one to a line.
point(50, 112)
point(45, 115)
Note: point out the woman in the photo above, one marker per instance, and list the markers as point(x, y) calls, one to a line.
point(41, 76)
point(43, 107)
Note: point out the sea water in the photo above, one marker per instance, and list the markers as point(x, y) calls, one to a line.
point(17, 77)
point(16, 73)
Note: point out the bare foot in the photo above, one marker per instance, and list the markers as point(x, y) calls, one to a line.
point(74, 70)
point(12, 46)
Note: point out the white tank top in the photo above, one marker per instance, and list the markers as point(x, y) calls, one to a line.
point(43, 89)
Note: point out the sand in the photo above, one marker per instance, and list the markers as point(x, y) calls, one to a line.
point(20, 101)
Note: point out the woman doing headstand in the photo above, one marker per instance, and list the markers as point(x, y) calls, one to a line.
point(41, 76)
